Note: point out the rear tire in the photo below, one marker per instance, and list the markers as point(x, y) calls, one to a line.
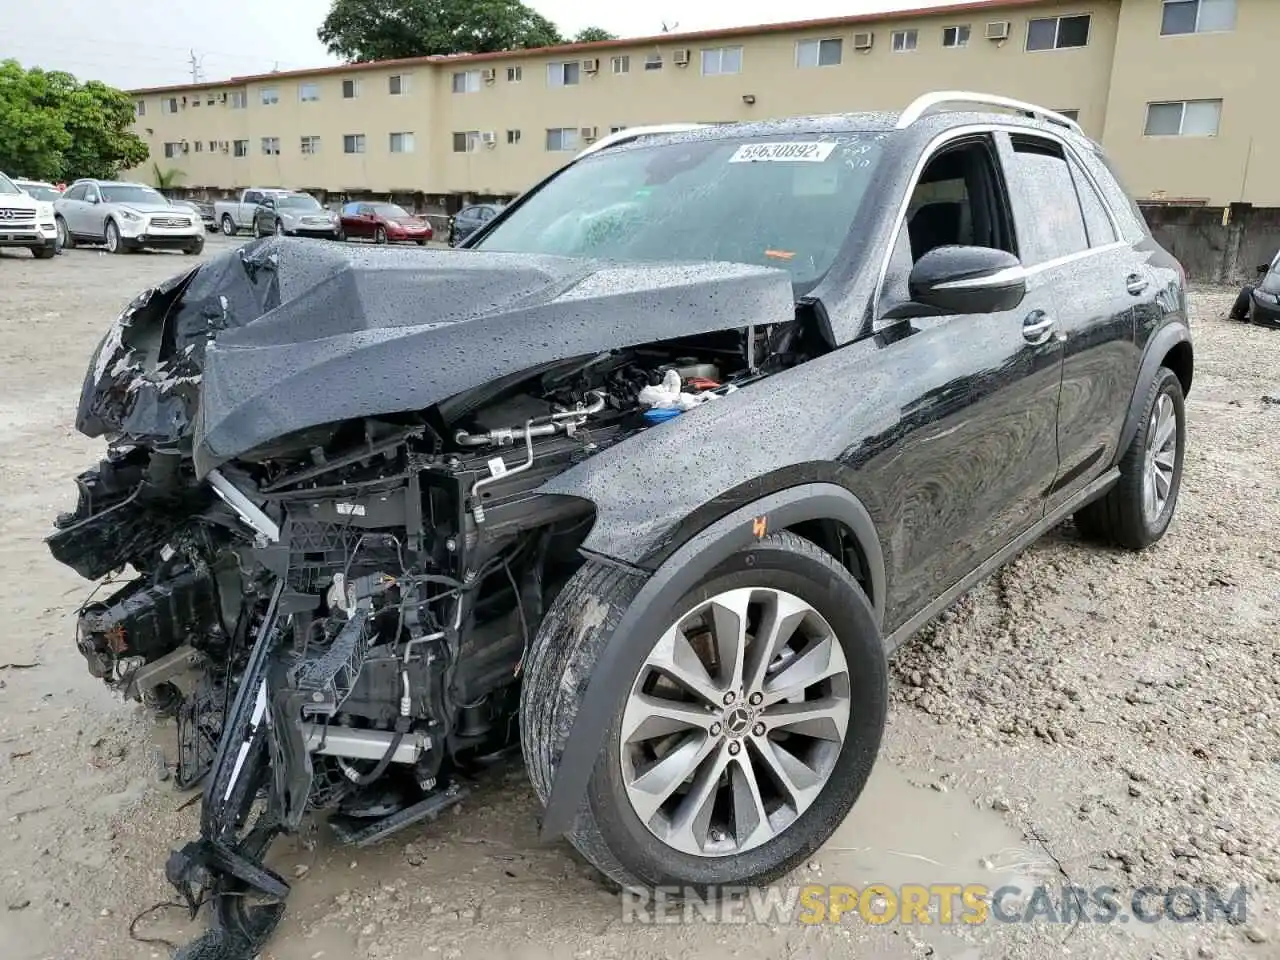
point(1137, 511)
point(380, 236)
point(608, 829)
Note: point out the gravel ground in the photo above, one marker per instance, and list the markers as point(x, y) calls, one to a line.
point(1087, 718)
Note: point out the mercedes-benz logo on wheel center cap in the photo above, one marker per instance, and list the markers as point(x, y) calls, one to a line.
point(738, 721)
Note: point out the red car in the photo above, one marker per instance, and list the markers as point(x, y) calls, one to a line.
point(384, 223)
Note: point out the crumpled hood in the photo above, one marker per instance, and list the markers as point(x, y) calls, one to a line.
point(283, 334)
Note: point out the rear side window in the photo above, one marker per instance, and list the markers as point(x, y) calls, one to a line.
point(1133, 226)
point(1097, 223)
point(1049, 220)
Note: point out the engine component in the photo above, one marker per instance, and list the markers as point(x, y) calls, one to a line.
point(563, 422)
point(352, 744)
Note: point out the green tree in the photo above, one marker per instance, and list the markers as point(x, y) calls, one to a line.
point(593, 34)
point(52, 126)
point(362, 30)
point(166, 179)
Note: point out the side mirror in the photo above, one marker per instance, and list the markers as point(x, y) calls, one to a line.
point(93, 198)
point(955, 280)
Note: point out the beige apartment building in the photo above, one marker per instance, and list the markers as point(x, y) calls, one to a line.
point(1174, 90)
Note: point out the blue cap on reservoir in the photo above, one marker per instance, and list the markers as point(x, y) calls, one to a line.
point(655, 415)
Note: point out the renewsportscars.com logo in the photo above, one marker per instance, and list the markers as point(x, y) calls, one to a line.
point(938, 903)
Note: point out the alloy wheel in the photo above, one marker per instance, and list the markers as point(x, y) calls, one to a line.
point(735, 723)
point(1161, 458)
point(62, 231)
point(113, 238)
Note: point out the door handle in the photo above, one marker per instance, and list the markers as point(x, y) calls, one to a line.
point(1135, 283)
point(1037, 326)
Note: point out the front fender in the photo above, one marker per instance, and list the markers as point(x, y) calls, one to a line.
point(683, 568)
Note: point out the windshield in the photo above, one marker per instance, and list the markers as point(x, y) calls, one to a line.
point(7, 185)
point(40, 192)
point(131, 193)
point(780, 202)
point(301, 201)
point(388, 210)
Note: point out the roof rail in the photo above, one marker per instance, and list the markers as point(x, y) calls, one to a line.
point(924, 103)
point(635, 133)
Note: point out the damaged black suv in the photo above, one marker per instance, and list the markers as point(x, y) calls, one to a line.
point(648, 478)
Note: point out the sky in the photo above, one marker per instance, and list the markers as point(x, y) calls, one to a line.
point(144, 43)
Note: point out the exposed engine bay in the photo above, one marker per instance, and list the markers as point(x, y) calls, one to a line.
point(336, 617)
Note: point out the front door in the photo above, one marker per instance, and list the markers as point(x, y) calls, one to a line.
point(977, 433)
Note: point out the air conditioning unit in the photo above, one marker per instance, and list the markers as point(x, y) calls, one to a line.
point(488, 138)
point(863, 41)
point(588, 133)
point(186, 147)
point(591, 66)
point(681, 57)
point(184, 101)
point(489, 75)
point(998, 30)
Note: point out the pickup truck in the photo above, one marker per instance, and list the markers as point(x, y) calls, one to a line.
point(236, 215)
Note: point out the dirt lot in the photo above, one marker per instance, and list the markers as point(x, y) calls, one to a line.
point(1084, 717)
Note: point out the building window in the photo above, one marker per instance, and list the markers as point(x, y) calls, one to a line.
point(350, 89)
point(721, 60)
point(213, 145)
point(1070, 114)
point(1197, 16)
point(1058, 33)
point(1183, 118)
point(140, 108)
point(271, 146)
point(172, 150)
point(653, 61)
point(169, 105)
point(353, 143)
point(402, 143)
point(270, 96)
point(398, 84)
point(905, 41)
point(956, 36)
point(466, 141)
point(515, 74)
point(308, 92)
point(621, 64)
point(564, 74)
point(241, 148)
point(618, 129)
point(819, 53)
point(199, 146)
point(562, 138)
point(195, 101)
point(310, 145)
point(467, 81)
point(239, 99)
point(513, 137)
point(210, 101)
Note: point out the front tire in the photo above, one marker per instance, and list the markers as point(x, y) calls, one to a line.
point(44, 253)
point(1137, 511)
point(228, 226)
point(115, 243)
point(67, 240)
point(380, 236)
point(745, 778)
point(195, 247)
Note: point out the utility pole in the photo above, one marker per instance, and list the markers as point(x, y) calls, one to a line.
point(197, 67)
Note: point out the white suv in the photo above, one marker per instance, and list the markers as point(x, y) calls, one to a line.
point(26, 221)
point(125, 217)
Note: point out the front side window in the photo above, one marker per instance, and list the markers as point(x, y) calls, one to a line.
point(564, 74)
point(819, 53)
point(1183, 118)
point(1197, 16)
point(562, 138)
point(955, 36)
point(1054, 223)
point(270, 96)
point(353, 143)
point(905, 40)
point(682, 200)
point(721, 60)
point(1058, 33)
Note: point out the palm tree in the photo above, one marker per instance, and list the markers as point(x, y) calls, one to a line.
point(167, 179)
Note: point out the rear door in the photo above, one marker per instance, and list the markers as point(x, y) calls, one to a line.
point(72, 208)
point(1089, 282)
point(94, 221)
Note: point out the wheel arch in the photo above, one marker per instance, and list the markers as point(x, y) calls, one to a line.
point(1169, 347)
point(823, 509)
